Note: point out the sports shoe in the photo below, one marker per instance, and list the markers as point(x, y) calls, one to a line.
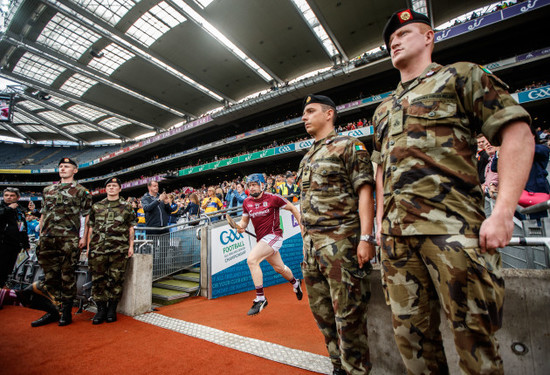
point(257, 306)
point(298, 291)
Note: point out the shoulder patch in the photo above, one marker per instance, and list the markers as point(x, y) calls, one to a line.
point(485, 69)
point(359, 146)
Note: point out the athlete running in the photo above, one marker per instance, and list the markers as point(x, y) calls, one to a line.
point(263, 208)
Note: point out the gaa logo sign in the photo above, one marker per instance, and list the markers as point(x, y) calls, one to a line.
point(230, 236)
point(305, 144)
point(541, 93)
point(355, 133)
point(284, 149)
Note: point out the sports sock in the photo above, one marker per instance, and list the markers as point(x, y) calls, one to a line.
point(294, 282)
point(260, 293)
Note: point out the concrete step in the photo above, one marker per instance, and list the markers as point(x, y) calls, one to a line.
point(163, 297)
point(188, 276)
point(163, 294)
point(178, 285)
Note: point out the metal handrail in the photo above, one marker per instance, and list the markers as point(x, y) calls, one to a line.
point(543, 206)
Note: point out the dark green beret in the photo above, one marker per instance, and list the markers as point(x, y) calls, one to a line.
point(68, 161)
point(321, 99)
point(400, 19)
point(115, 180)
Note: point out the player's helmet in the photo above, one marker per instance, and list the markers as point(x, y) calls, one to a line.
point(257, 178)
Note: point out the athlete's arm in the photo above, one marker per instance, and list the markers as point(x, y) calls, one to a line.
point(243, 223)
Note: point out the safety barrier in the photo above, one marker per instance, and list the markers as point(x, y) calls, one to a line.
point(530, 244)
point(174, 248)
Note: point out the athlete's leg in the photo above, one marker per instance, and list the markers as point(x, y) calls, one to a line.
point(278, 265)
point(259, 252)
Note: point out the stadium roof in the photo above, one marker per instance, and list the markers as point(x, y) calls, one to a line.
point(92, 70)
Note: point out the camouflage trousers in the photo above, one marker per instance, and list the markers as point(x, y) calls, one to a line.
point(422, 273)
point(58, 257)
point(338, 292)
point(108, 272)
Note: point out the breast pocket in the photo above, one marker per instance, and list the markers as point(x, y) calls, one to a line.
point(326, 176)
point(431, 123)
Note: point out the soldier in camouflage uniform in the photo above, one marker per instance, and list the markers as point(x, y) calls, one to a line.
point(437, 248)
point(110, 244)
point(337, 208)
point(64, 204)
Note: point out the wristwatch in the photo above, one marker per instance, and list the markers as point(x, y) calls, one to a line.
point(368, 238)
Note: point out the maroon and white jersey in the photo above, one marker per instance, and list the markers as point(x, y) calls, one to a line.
point(264, 213)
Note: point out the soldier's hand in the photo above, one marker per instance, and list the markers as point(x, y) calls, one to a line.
point(496, 231)
point(130, 251)
point(365, 252)
point(82, 243)
point(379, 235)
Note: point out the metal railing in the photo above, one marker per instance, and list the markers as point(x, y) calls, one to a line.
point(530, 244)
point(174, 248)
point(177, 247)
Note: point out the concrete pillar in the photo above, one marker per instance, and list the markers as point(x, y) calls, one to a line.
point(204, 262)
point(138, 285)
point(524, 338)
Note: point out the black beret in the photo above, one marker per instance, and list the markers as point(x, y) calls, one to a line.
point(400, 19)
point(115, 180)
point(321, 99)
point(68, 161)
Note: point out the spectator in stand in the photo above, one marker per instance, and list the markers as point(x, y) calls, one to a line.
point(482, 157)
point(192, 209)
point(211, 203)
point(537, 189)
point(156, 208)
point(13, 232)
point(289, 188)
point(140, 219)
point(33, 226)
point(219, 194)
point(279, 180)
point(490, 185)
point(238, 198)
point(174, 210)
point(271, 188)
point(230, 189)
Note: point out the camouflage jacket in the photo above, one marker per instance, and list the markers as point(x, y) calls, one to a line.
point(425, 142)
point(110, 222)
point(329, 176)
point(63, 205)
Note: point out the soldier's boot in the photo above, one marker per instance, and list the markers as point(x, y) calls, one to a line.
point(66, 314)
point(101, 313)
point(50, 317)
point(111, 311)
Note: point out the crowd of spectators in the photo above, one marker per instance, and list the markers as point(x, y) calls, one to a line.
point(537, 188)
point(486, 11)
point(160, 209)
point(533, 85)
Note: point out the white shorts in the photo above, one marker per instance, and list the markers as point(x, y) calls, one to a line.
point(273, 240)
